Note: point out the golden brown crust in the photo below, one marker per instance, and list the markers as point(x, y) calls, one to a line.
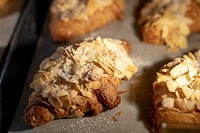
point(63, 31)
point(107, 94)
point(175, 117)
point(152, 35)
point(38, 115)
point(170, 116)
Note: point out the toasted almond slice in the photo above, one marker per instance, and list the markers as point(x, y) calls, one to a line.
point(88, 85)
point(55, 101)
point(55, 56)
point(179, 70)
point(43, 63)
point(80, 100)
point(196, 83)
point(46, 77)
point(183, 80)
point(73, 93)
point(95, 84)
point(49, 65)
point(163, 78)
point(85, 92)
point(37, 75)
point(187, 92)
point(191, 56)
point(177, 94)
point(171, 85)
point(108, 70)
point(54, 88)
point(67, 102)
point(46, 91)
point(61, 92)
point(78, 113)
point(165, 70)
point(37, 84)
point(180, 93)
point(75, 87)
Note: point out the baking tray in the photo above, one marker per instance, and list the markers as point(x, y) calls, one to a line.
point(8, 22)
point(136, 105)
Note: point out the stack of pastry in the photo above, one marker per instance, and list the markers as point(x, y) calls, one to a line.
point(169, 22)
point(177, 92)
point(79, 79)
point(73, 18)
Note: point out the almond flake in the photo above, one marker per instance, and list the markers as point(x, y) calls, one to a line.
point(172, 85)
point(187, 92)
point(179, 70)
point(182, 80)
point(55, 101)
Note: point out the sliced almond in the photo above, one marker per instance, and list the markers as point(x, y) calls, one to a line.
point(180, 93)
point(187, 92)
point(67, 102)
point(165, 70)
point(43, 63)
point(171, 85)
point(86, 93)
point(49, 65)
point(55, 101)
point(61, 92)
point(95, 84)
point(46, 91)
point(163, 78)
point(80, 100)
point(179, 70)
point(183, 80)
point(191, 56)
point(37, 84)
point(73, 93)
point(196, 83)
point(78, 113)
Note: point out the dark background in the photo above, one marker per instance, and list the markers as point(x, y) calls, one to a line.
point(18, 56)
